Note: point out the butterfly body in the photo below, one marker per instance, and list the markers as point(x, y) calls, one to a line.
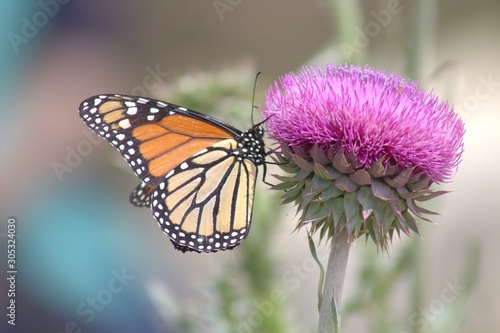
point(198, 173)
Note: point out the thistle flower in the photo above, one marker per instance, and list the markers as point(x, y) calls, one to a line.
point(363, 147)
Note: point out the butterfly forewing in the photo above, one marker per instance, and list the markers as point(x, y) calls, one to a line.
point(153, 136)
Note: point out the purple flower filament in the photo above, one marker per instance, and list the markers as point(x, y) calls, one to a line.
point(370, 115)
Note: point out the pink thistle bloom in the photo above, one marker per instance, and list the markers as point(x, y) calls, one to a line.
point(370, 114)
point(363, 147)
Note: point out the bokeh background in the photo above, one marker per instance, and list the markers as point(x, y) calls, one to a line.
point(76, 230)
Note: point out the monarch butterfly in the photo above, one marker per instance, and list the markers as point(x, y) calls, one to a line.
point(198, 173)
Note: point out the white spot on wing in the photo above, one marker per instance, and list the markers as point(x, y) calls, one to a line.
point(131, 111)
point(125, 123)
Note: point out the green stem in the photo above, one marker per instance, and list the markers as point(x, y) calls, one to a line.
point(329, 320)
point(346, 16)
point(421, 54)
point(423, 38)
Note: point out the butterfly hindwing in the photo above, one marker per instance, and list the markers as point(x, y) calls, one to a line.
point(141, 195)
point(205, 204)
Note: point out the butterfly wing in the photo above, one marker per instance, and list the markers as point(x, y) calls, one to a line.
point(141, 195)
point(205, 204)
point(198, 173)
point(153, 136)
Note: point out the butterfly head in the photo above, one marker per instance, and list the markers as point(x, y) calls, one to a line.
point(251, 144)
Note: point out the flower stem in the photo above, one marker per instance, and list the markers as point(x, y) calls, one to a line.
point(423, 39)
point(346, 16)
point(334, 281)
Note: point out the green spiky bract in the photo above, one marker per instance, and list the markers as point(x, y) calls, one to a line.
point(332, 192)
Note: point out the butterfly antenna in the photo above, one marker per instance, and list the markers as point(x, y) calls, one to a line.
point(253, 96)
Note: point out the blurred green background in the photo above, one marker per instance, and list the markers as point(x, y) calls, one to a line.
point(76, 230)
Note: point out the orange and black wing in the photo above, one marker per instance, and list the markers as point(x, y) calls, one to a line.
point(141, 195)
point(153, 136)
point(198, 173)
point(205, 203)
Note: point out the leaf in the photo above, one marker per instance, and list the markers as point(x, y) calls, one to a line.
point(351, 208)
point(423, 183)
point(291, 195)
point(306, 199)
point(310, 211)
point(341, 163)
point(361, 177)
point(430, 196)
point(406, 194)
point(377, 169)
point(366, 198)
point(335, 316)
point(403, 225)
point(338, 210)
point(283, 186)
point(314, 254)
point(302, 174)
point(303, 163)
point(318, 184)
point(345, 184)
point(401, 179)
point(381, 211)
point(416, 210)
point(383, 191)
point(330, 192)
point(289, 167)
point(410, 220)
point(300, 151)
point(323, 212)
point(322, 172)
point(318, 155)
